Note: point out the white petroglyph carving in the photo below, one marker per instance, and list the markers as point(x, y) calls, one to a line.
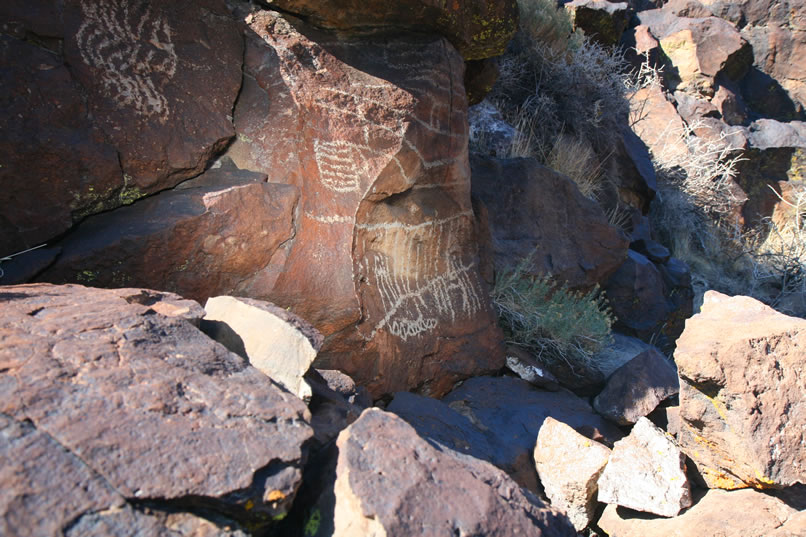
point(419, 279)
point(340, 165)
point(134, 51)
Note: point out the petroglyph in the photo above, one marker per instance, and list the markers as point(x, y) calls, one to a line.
point(419, 277)
point(340, 165)
point(331, 218)
point(133, 49)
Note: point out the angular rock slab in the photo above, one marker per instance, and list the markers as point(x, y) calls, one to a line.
point(110, 102)
point(742, 409)
point(275, 341)
point(373, 132)
point(636, 388)
point(124, 381)
point(743, 512)
point(200, 239)
point(389, 481)
point(646, 472)
point(533, 211)
point(569, 466)
point(477, 28)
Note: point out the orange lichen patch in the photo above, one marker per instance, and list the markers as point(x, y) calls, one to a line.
point(275, 496)
point(720, 480)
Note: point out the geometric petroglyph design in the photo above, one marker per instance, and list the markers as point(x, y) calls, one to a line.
point(340, 165)
point(420, 279)
point(132, 49)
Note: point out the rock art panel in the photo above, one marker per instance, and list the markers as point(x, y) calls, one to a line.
point(161, 79)
point(373, 132)
point(107, 102)
point(116, 36)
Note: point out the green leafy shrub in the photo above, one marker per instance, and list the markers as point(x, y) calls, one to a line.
point(553, 322)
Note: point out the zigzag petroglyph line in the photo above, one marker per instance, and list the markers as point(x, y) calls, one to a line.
point(133, 50)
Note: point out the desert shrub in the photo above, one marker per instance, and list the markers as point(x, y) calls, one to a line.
point(551, 321)
point(542, 22)
point(565, 95)
point(695, 215)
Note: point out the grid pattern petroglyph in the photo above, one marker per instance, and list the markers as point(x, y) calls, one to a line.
point(420, 278)
point(134, 51)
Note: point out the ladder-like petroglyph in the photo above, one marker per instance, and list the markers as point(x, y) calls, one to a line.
point(419, 276)
point(340, 165)
point(134, 51)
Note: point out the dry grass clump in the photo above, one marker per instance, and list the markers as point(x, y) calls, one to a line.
point(696, 215)
point(565, 95)
point(554, 323)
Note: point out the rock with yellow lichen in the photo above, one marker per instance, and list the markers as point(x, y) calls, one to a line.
point(742, 385)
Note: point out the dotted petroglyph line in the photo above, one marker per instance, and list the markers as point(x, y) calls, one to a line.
point(134, 51)
point(419, 281)
point(331, 218)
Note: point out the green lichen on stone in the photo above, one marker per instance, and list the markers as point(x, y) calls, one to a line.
point(120, 278)
point(86, 276)
point(92, 201)
point(313, 523)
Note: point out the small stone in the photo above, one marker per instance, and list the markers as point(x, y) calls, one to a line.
point(275, 341)
point(569, 466)
point(637, 387)
point(646, 472)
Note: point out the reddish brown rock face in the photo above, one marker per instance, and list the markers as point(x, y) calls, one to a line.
point(538, 214)
point(383, 262)
point(742, 410)
point(110, 101)
point(122, 381)
point(389, 481)
point(200, 239)
point(477, 28)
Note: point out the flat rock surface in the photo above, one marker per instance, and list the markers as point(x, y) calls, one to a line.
point(389, 481)
point(47, 490)
point(744, 513)
point(742, 410)
point(123, 380)
point(646, 472)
